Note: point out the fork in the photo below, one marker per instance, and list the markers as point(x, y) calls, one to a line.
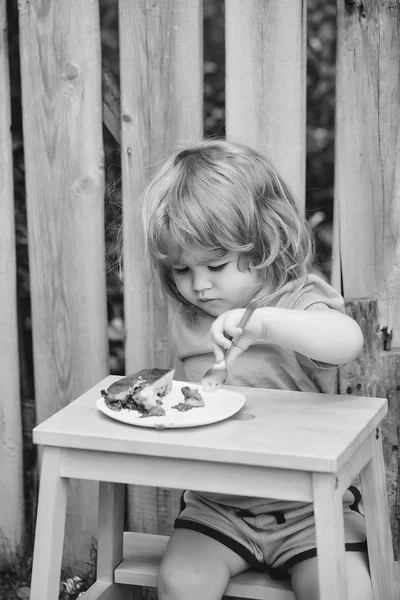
point(216, 375)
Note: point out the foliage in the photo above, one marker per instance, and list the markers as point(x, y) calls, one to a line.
point(15, 578)
point(321, 52)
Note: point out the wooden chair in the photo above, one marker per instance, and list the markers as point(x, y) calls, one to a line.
point(288, 445)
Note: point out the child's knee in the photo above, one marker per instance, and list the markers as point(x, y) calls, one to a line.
point(187, 580)
point(179, 582)
point(304, 578)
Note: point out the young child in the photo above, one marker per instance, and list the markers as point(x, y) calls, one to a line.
point(222, 228)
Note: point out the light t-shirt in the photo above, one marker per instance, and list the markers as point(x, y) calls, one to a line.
point(262, 365)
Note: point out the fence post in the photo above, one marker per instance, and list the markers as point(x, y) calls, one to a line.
point(266, 82)
point(11, 496)
point(62, 121)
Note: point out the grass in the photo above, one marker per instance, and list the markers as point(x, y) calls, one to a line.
point(15, 578)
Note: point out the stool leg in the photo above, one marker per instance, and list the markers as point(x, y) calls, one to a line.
point(329, 529)
point(50, 527)
point(379, 538)
point(110, 536)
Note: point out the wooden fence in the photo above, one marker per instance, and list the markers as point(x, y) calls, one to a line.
point(160, 95)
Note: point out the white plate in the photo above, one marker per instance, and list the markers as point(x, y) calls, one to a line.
point(219, 405)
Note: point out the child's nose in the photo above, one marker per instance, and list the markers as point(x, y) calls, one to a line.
point(201, 282)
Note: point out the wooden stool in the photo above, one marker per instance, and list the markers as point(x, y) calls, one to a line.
point(286, 445)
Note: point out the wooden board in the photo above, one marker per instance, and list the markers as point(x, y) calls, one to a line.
point(367, 157)
point(11, 497)
point(161, 110)
point(266, 82)
point(376, 373)
point(62, 122)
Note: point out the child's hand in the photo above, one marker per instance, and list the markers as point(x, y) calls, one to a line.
point(225, 327)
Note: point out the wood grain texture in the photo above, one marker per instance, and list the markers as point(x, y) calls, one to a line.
point(161, 64)
point(50, 525)
point(61, 100)
point(329, 532)
point(11, 497)
point(380, 551)
point(161, 106)
point(111, 529)
point(376, 373)
point(367, 156)
point(266, 82)
point(176, 472)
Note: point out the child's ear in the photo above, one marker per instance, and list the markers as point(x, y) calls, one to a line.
point(244, 263)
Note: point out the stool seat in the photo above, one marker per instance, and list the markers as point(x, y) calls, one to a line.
point(142, 556)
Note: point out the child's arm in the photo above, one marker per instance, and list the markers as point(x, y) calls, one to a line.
point(325, 335)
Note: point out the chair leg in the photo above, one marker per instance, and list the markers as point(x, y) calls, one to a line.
point(329, 528)
point(379, 537)
point(110, 537)
point(50, 528)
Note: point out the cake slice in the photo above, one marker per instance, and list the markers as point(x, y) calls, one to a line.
point(142, 391)
point(191, 399)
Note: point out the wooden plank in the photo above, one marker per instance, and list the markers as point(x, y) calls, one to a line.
point(11, 497)
point(367, 157)
point(161, 104)
point(266, 82)
point(380, 553)
point(61, 99)
point(205, 476)
point(329, 533)
point(111, 529)
point(50, 526)
point(376, 373)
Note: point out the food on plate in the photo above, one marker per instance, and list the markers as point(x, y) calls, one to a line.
point(191, 399)
point(143, 391)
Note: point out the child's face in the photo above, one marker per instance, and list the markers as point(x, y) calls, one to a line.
point(214, 283)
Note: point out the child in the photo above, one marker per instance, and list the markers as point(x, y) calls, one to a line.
point(222, 228)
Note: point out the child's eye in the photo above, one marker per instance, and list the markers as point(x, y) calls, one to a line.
point(180, 271)
point(218, 268)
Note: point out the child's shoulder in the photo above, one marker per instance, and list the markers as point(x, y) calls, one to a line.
point(302, 295)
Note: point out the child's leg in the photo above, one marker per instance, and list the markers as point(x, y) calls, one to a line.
point(196, 566)
point(304, 578)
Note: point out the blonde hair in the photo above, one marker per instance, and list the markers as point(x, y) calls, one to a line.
point(226, 197)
